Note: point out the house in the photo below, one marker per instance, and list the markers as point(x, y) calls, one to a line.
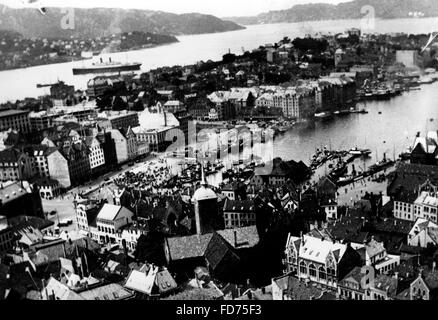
point(239, 213)
point(423, 234)
point(110, 220)
point(386, 288)
point(425, 287)
point(20, 199)
point(151, 281)
point(330, 207)
point(288, 287)
point(125, 145)
point(374, 254)
point(76, 153)
point(422, 204)
point(49, 162)
point(351, 287)
point(96, 153)
point(48, 188)
point(55, 290)
point(320, 260)
point(14, 165)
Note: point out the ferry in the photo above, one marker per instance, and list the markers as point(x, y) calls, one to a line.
point(106, 67)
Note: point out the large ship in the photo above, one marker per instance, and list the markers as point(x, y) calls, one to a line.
point(107, 67)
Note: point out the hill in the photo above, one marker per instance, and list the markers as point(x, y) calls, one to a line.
point(99, 22)
point(384, 9)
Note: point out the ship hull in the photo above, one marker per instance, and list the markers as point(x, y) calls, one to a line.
point(131, 67)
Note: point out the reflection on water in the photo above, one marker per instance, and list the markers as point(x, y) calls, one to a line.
point(390, 132)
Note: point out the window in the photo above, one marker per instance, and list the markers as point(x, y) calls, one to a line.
point(312, 270)
point(322, 274)
point(303, 268)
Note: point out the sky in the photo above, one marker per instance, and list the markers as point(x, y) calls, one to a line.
point(219, 8)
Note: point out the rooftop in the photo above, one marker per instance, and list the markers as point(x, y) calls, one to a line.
point(10, 113)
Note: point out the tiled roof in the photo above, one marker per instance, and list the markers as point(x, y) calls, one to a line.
point(298, 290)
point(246, 237)
point(112, 291)
point(195, 246)
point(188, 247)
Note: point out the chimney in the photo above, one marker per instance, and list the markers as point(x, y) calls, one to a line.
point(165, 118)
point(302, 237)
point(433, 266)
point(396, 276)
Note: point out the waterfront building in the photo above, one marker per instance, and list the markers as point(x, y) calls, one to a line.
point(409, 58)
point(425, 149)
point(15, 119)
point(100, 85)
point(422, 204)
point(265, 100)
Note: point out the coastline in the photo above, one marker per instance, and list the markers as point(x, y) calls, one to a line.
point(74, 59)
point(329, 20)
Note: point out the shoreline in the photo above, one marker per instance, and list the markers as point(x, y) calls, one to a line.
point(75, 59)
point(331, 20)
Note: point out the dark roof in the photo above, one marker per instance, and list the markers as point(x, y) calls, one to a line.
point(217, 250)
point(9, 113)
point(355, 274)
point(299, 290)
point(408, 177)
point(239, 206)
point(23, 222)
point(392, 225)
point(10, 155)
point(188, 247)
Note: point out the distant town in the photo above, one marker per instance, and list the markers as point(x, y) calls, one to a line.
point(19, 52)
point(96, 204)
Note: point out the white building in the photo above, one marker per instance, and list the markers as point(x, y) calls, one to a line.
point(423, 233)
point(110, 220)
point(96, 155)
point(424, 206)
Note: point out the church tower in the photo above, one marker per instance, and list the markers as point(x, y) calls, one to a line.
point(206, 207)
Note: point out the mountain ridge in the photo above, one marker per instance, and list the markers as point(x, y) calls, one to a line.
point(383, 9)
point(97, 22)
